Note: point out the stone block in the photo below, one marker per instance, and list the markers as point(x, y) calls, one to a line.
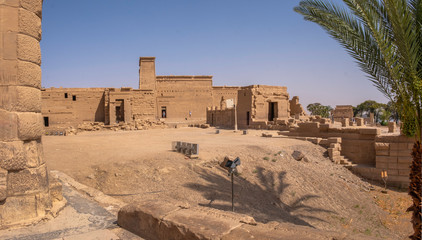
point(403, 172)
point(400, 153)
point(144, 218)
point(3, 184)
point(30, 126)
point(8, 72)
point(56, 192)
point(9, 19)
point(9, 45)
point(20, 99)
point(27, 181)
point(34, 6)
point(34, 153)
point(381, 165)
point(345, 122)
point(403, 166)
point(386, 159)
point(13, 3)
point(12, 155)
point(360, 122)
point(382, 146)
point(28, 49)
point(392, 127)
point(382, 153)
point(370, 131)
point(334, 139)
point(29, 23)
point(201, 223)
point(8, 125)
point(407, 160)
point(18, 208)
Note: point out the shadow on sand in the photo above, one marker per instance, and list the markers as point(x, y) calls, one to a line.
point(261, 201)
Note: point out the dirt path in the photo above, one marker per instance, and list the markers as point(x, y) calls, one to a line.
point(271, 186)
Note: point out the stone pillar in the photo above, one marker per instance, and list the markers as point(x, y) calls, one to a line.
point(360, 122)
point(392, 127)
point(24, 188)
point(345, 122)
point(371, 118)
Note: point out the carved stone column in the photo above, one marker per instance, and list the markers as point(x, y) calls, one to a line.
point(24, 188)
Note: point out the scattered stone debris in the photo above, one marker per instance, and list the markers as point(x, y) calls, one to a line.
point(298, 156)
point(267, 135)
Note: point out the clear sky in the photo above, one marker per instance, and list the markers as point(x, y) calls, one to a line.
point(97, 43)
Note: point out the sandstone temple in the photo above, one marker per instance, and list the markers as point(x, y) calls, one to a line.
point(169, 99)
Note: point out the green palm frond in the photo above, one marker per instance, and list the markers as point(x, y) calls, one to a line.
point(384, 37)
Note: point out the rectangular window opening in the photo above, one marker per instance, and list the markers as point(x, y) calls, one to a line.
point(163, 112)
point(65, 95)
point(46, 123)
point(74, 97)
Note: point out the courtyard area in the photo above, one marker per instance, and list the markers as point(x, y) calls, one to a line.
point(271, 185)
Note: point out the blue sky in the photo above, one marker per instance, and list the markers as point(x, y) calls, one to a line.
point(97, 43)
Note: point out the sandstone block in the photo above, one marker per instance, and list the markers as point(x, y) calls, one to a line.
point(34, 6)
point(29, 74)
point(27, 181)
point(9, 19)
point(370, 131)
point(8, 72)
point(381, 165)
point(55, 187)
point(28, 49)
point(404, 172)
point(383, 153)
point(382, 146)
point(3, 184)
point(9, 45)
point(400, 153)
point(29, 24)
point(144, 218)
point(12, 155)
point(13, 3)
point(403, 166)
point(34, 153)
point(8, 125)
point(20, 99)
point(360, 122)
point(17, 208)
point(201, 223)
point(30, 126)
point(386, 159)
point(407, 160)
point(334, 139)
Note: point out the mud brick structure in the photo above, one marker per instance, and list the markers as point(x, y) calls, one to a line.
point(341, 112)
point(24, 184)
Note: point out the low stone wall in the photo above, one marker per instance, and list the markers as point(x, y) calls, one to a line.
point(221, 117)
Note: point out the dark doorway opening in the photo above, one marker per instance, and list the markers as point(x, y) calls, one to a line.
point(247, 118)
point(120, 110)
point(272, 111)
point(74, 97)
point(163, 112)
point(212, 119)
point(65, 95)
point(46, 122)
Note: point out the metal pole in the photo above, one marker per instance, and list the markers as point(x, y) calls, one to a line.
point(232, 194)
point(235, 115)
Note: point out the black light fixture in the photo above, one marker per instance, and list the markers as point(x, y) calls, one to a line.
point(231, 166)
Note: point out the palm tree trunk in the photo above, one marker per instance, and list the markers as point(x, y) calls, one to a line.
point(415, 190)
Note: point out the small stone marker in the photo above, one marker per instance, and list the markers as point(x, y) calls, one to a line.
point(217, 131)
point(245, 132)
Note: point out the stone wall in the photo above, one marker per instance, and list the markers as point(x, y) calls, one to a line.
point(342, 111)
point(221, 117)
point(223, 93)
point(393, 155)
point(296, 108)
point(185, 98)
point(24, 185)
point(63, 107)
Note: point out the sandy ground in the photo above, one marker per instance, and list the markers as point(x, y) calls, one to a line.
point(271, 186)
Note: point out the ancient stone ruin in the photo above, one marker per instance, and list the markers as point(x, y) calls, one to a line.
point(25, 193)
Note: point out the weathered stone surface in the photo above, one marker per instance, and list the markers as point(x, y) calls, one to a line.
point(382, 146)
point(34, 6)
point(20, 99)
point(13, 3)
point(3, 184)
point(29, 74)
point(30, 126)
point(144, 218)
point(9, 45)
point(8, 125)
point(27, 181)
point(34, 153)
point(12, 155)
point(370, 131)
point(28, 49)
point(18, 208)
point(9, 18)
point(55, 189)
point(29, 23)
point(201, 223)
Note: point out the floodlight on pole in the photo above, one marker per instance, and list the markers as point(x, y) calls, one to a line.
point(232, 168)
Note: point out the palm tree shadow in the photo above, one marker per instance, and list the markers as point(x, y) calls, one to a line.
point(262, 200)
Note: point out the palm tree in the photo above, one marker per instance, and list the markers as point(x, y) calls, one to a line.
point(385, 39)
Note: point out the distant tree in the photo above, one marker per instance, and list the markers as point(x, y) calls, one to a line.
point(319, 109)
point(385, 38)
point(370, 106)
